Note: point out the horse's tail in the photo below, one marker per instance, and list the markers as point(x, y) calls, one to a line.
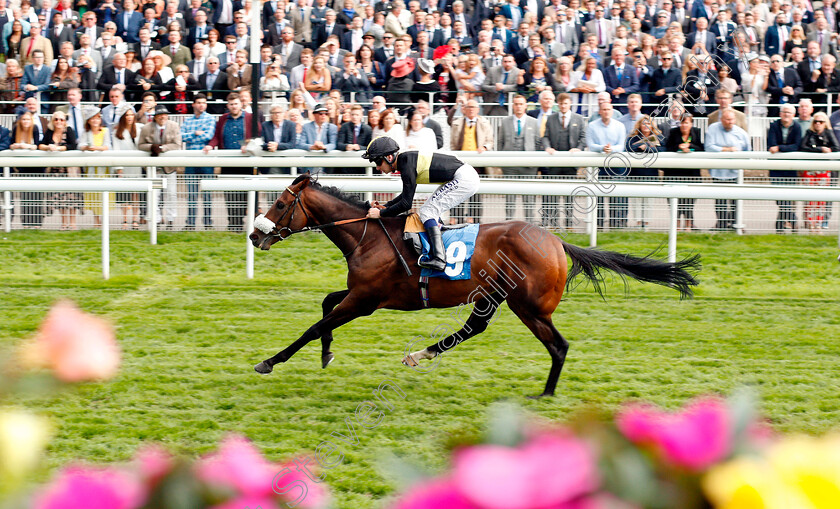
point(590, 261)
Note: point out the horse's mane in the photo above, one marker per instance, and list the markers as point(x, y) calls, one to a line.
point(332, 191)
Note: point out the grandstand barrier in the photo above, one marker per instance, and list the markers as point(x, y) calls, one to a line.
point(90, 185)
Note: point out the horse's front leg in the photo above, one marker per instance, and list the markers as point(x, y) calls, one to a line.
point(330, 302)
point(348, 309)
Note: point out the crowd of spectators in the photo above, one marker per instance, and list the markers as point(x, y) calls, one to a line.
point(332, 74)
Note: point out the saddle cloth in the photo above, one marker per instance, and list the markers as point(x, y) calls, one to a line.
point(459, 244)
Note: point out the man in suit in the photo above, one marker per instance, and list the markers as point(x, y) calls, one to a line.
point(129, 22)
point(353, 136)
point(470, 133)
point(198, 32)
point(353, 38)
point(198, 65)
point(89, 27)
point(274, 30)
point(301, 22)
point(171, 15)
point(811, 63)
point(783, 84)
point(603, 30)
point(34, 42)
point(724, 30)
point(351, 79)
point(288, 49)
point(116, 76)
point(158, 137)
point(666, 79)
point(214, 85)
point(823, 82)
point(701, 37)
point(60, 33)
point(116, 99)
point(498, 84)
point(319, 135)
point(191, 11)
point(223, 14)
point(520, 132)
point(567, 32)
point(680, 15)
point(330, 27)
point(233, 129)
point(564, 131)
point(146, 44)
point(823, 36)
point(620, 79)
point(277, 134)
point(48, 13)
point(36, 76)
point(240, 72)
point(776, 36)
point(179, 53)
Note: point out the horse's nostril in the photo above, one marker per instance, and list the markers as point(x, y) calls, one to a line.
point(253, 237)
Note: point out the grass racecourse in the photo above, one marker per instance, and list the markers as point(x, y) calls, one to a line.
point(191, 326)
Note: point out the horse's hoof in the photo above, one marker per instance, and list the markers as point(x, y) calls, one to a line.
point(540, 396)
point(326, 360)
point(263, 368)
point(409, 361)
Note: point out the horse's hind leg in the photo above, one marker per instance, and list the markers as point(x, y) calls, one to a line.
point(557, 346)
point(477, 323)
point(330, 302)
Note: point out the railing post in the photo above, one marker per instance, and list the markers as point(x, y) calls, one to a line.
point(106, 225)
point(369, 173)
point(7, 204)
point(672, 231)
point(249, 227)
point(151, 206)
point(739, 207)
point(592, 215)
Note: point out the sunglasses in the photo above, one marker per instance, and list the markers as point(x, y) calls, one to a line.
point(819, 121)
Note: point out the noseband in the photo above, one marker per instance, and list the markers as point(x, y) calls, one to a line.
point(269, 227)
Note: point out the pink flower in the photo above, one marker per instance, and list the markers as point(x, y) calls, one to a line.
point(87, 488)
point(76, 345)
point(694, 438)
point(288, 482)
point(239, 464)
point(435, 494)
point(548, 471)
point(153, 462)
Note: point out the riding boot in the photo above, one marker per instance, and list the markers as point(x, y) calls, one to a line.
point(437, 254)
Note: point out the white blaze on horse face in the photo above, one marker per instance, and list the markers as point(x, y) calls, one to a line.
point(263, 224)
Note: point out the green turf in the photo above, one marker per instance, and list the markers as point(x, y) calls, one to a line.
point(191, 327)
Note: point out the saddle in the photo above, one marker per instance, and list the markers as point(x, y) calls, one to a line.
point(414, 227)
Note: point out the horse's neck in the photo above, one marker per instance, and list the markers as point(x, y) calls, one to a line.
point(324, 208)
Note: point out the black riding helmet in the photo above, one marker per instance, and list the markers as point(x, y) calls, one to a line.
point(380, 148)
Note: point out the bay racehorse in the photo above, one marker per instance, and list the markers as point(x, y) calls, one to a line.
point(513, 261)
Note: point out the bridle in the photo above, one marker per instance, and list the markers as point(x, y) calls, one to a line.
point(262, 223)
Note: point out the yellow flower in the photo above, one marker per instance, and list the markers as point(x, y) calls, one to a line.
point(796, 473)
point(23, 437)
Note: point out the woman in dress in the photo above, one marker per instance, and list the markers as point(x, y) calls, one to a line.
point(537, 79)
point(10, 86)
point(563, 76)
point(684, 140)
point(63, 79)
point(318, 80)
point(125, 137)
point(819, 138)
point(418, 136)
point(754, 87)
point(797, 40)
point(644, 138)
point(95, 138)
point(388, 126)
point(162, 62)
point(726, 82)
point(215, 47)
point(11, 45)
point(25, 137)
point(370, 67)
point(60, 137)
point(586, 84)
point(303, 101)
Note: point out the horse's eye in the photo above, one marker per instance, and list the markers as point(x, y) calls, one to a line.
point(280, 205)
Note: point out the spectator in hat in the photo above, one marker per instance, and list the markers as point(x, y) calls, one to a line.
point(425, 82)
point(401, 83)
point(158, 137)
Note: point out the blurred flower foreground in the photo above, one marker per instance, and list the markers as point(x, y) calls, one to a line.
point(71, 347)
point(713, 452)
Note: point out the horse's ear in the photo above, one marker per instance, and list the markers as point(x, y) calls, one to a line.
point(303, 180)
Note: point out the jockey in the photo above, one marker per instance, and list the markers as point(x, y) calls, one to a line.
point(459, 181)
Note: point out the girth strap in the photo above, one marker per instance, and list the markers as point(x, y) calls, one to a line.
point(424, 291)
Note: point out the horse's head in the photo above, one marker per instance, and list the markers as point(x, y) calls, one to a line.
point(284, 216)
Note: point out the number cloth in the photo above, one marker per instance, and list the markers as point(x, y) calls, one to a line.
point(459, 245)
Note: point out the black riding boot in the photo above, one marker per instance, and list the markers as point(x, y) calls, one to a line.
point(437, 255)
